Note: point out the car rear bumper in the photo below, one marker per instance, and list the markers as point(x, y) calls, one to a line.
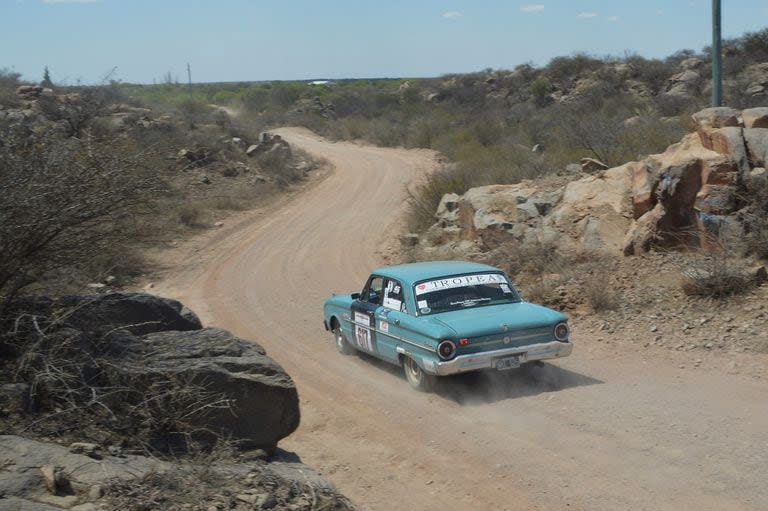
point(487, 359)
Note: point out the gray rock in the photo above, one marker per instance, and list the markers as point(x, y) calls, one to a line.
point(137, 313)
point(20, 454)
point(691, 63)
point(88, 449)
point(527, 211)
point(448, 209)
point(683, 84)
point(264, 404)
point(716, 117)
point(757, 180)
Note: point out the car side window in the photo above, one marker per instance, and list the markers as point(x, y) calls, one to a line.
point(393, 296)
point(373, 291)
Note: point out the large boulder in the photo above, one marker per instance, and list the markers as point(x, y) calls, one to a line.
point(683, 84)
point(596, 210)
point(728, 141)
point(137, 313)
point(262, 404)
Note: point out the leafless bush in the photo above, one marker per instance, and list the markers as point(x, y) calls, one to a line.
point(64, 201)
point(715, 273)
point(599, 293)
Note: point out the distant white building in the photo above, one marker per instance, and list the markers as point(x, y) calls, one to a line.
point(321, 82)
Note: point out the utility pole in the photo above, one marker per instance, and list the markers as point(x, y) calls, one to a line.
point(189, 75)
point(717, 56)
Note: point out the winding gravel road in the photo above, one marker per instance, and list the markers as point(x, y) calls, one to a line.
point(600, 431)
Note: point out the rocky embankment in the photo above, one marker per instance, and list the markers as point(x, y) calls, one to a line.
point(694, 192)
point(124, 401)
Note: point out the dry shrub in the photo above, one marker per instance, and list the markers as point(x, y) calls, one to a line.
point(193, 215)
point(716, 272)
point(541, 290)
point(599, 294)
point(715, 280)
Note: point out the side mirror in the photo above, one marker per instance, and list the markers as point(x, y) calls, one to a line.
point(355, 296)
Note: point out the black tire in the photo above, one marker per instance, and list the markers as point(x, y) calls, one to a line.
point(417, 378)
point(342, 345)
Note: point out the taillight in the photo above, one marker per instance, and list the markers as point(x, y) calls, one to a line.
point(446, 349)
point(561, 332)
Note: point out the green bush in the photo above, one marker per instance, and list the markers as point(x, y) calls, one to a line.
point(540, 90)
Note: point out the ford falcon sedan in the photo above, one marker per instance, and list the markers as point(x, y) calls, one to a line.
point(441, 318)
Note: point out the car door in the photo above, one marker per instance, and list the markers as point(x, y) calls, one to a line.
point(364, 315)
point(388, 319)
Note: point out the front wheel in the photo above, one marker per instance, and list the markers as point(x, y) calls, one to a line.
point(341, 341)
point(417, 378)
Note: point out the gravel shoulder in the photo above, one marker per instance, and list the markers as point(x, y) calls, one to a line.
point(608, 428)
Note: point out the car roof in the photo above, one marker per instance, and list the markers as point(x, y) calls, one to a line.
point(414, 272)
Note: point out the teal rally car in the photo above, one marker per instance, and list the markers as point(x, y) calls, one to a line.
point(442, 318)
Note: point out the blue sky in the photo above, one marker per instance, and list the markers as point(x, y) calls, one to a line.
point(232, 40)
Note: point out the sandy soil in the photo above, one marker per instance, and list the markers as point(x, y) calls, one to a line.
point(604, 430)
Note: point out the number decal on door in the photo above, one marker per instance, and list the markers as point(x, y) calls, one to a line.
point(363, 331)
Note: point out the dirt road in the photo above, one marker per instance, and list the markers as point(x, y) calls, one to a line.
point(598, 431)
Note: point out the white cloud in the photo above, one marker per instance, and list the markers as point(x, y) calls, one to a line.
point(613, 18)
point(586, 15)
point(69, 1)
point(532, 8)
point(452, 15)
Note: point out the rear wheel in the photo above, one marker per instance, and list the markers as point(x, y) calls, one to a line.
point(417, 378)
point(341, 340)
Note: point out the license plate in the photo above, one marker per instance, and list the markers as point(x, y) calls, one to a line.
point(503, 364)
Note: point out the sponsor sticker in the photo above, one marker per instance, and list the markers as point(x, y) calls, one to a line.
point(460, 281)
point(392, 303)
point(384, 326)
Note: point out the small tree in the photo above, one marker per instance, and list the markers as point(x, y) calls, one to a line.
point(46, 78)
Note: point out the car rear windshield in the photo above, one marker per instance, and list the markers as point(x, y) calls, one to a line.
point(463, 291)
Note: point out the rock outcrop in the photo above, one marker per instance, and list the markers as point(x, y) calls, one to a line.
point(261, 405)
point(689, 194)
point(44, 476)
point(144, 345)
